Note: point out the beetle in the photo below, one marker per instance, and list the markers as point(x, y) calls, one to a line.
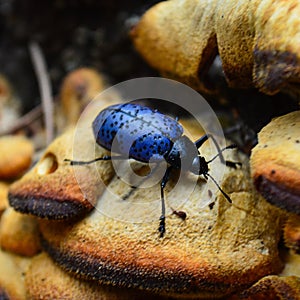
point(144, 134)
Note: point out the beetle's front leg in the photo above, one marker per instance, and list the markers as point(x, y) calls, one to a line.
point(162, 219)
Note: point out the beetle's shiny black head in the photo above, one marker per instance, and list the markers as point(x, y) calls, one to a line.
point(182, 154)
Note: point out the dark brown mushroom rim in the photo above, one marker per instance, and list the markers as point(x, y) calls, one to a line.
point(278, 195)
point(47, 208)
point(283, 70)
point(273, 288)
point(159, 282)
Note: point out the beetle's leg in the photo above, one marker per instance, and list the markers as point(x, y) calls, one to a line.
point(201, 141)
point(105, 157)
point(131, 191)
point(233, 164)
point(205, 137)
point(134, 187)
point(162, 219)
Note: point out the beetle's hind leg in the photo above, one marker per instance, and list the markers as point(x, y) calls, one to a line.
point(133, 189)
point(130, 192)
point(137, 185)
point(79, 162)
point(233, 164)
point(229, 163)
point(104, 158)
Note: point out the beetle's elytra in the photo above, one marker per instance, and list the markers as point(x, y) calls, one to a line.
point(138, 132)
point(152, 131)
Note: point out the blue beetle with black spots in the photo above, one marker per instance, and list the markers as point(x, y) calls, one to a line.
point(152, 133)
point(138, 132)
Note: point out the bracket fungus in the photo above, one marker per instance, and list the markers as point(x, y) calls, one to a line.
point(16, 154)
point(217, 250)
point(258, 42)
point(275, 162)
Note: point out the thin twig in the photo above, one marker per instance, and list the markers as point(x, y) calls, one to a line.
point(24, 121)
point(40, 68)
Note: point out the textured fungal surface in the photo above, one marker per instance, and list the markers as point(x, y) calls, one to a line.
point(51, 190)
point(273, 287)
point(216, 250)
point(16, 156)
point(258, 42)
point(275, 162)
point(60, 285)
point(76, 224)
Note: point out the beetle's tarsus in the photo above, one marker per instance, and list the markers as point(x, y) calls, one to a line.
point(233, 164)
point(162, 226)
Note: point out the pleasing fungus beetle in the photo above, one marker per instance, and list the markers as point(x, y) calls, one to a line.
point(145, 134)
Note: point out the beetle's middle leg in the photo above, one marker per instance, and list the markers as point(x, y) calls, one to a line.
point(134, 187)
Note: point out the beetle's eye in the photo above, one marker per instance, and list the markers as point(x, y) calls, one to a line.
point(196, 166)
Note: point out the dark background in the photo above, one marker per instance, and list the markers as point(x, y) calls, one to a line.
point(71, 34)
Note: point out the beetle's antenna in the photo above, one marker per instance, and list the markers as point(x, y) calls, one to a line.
point(222, 150)
point(215, 182)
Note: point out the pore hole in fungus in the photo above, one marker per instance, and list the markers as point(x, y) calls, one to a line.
point(47, 165)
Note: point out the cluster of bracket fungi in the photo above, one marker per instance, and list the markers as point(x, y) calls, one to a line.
point(56, 245)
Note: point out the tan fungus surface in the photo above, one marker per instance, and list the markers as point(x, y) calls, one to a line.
point(275, 162)
point(258, 41)
point(16, 154)
point(19, 233)
point(217, 250)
